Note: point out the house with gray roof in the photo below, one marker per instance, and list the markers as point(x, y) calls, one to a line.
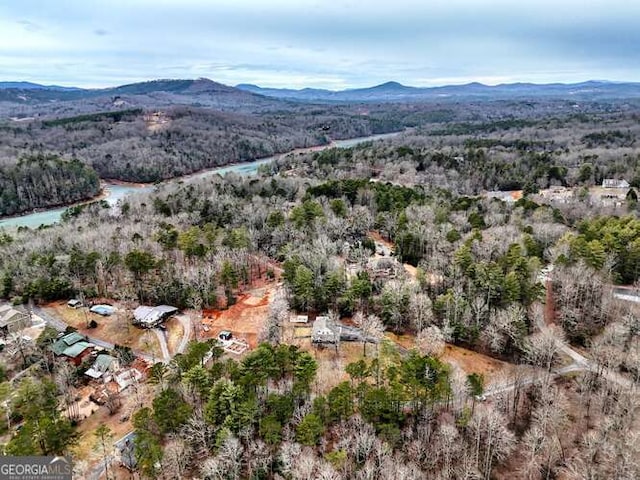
point(325, 331)
point(614, 183)
point(103, 366)
point(12, 320)
point(150, 317)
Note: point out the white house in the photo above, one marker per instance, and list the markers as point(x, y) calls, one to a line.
point(614, 183)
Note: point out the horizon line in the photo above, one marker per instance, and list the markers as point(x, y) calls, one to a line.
point(248, 83)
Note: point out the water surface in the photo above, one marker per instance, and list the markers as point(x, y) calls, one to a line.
point(117, 192)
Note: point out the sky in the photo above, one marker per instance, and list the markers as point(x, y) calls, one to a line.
point(332, 44)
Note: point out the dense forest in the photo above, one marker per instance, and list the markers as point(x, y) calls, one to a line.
point(530, 154)
point(41, 181)
point(526, 285)
point(149, 146)
point(396, 411)
point(157, 143)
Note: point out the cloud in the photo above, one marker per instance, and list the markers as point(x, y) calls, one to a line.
point(30, 26)
point(320, 44)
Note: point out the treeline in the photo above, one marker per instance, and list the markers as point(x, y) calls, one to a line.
point(42, 181)
point(611, 242)
point(115, 116)
point(126, 145)
point(517, 154)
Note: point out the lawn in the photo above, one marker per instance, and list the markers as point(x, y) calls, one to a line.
point(114, 329)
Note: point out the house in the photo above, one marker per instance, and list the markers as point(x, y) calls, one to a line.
point(299, 319)
point(613, 183)
point(73, 347)
point(103, 365)
point(65, 341)
point(12, 320)
point(77, 352)
point(128, 377)
point(126, 451)
point(150, 317)
point(324, 331)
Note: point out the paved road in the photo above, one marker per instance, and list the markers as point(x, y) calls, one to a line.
point(98, 470)
point(580, 364)
point(580, 361)
point(532, 379)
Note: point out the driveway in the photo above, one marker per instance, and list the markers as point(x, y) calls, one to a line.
point(186, 335)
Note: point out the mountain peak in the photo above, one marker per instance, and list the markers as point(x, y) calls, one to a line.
point(392, 85)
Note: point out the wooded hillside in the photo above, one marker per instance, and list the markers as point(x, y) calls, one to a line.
point(43, 181)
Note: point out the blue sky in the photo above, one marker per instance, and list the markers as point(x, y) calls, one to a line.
point(328, 44)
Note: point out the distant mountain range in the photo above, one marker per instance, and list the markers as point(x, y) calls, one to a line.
point(394, 91)
point(25, 99)
point(34, 86)
point(54, 92)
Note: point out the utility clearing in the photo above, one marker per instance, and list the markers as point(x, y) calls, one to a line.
point(244, 319)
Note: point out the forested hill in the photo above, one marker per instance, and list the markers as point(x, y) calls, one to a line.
point(152, 145)
point(149, 145)
point(45, 181)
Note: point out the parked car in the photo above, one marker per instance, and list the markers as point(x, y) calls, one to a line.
point(74, 303)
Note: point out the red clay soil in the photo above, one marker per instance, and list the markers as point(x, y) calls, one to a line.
point(141, 366)
point(378, 238)
point(244, 319)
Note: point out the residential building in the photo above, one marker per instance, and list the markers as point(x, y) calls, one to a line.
point(324, 331)
point(12, 320)
point(150, 317)
point(614, 183)
point(73, 347)
point(103, 367)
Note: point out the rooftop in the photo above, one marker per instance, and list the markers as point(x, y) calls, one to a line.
point(324, 331)
point(9, 314)
point(151, 316)
point(100, 366)
point(60, 345)
point(614, 183)
point(76, 349)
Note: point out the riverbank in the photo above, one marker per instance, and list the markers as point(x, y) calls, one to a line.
point(248, 164)
point(104, 193)
point(109, 191)
point(115, 190)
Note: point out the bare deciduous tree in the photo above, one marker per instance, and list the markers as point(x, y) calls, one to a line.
point(371, 327)
point(430, 341)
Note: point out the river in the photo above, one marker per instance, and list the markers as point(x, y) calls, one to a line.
point(116, 192)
